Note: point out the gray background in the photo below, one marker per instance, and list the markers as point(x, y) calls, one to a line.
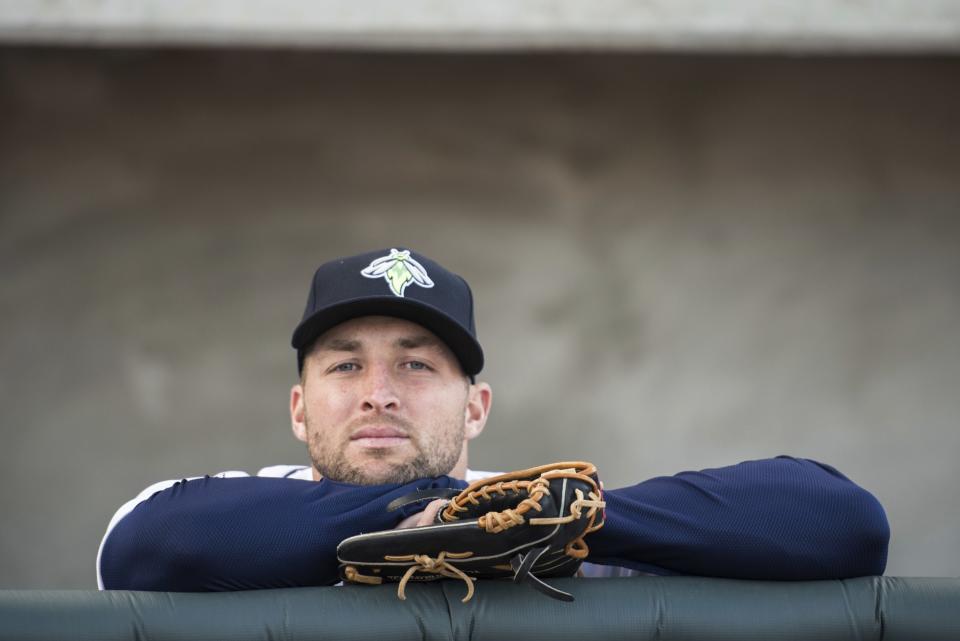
point(679, 262)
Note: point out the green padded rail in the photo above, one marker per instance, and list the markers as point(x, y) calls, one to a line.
point(635, 609)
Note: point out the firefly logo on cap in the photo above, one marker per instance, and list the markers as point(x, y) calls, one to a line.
point(399, 270)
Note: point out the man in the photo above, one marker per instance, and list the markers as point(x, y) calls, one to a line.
point(381, 398)
point(387, 403)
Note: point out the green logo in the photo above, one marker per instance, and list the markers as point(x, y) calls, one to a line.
point(399, 270)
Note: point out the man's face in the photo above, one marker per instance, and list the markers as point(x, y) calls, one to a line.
point(383, 400)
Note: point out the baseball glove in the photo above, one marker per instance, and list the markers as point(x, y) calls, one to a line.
point(525, 525)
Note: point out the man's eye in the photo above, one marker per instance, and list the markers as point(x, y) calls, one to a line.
point(417, 365)
point(345, 367)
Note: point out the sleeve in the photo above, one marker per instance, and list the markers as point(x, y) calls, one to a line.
point(213, 534)
point(128, 507)
point(774, 519)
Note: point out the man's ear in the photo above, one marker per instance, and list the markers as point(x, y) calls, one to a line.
point(479, 398)
point(298, 413)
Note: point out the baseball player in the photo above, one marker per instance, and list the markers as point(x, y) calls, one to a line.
point(387, 403)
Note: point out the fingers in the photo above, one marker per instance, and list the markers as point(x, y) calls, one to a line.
point(411, 521)
point(427, 517)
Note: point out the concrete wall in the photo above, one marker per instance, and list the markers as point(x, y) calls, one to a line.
point(679, 263)
point(681, 25)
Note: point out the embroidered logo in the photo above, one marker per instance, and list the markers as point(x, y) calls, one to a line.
point(399, 270)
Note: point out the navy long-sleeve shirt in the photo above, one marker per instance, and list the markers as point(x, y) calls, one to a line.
point(778, 519)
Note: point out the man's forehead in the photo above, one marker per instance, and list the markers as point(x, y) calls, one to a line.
point(370, 330)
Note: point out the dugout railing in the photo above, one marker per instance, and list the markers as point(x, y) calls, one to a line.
point(635, 609)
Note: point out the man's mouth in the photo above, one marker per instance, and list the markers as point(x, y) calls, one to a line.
point(379, 436)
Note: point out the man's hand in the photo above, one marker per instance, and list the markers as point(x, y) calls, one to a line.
point(427, 517)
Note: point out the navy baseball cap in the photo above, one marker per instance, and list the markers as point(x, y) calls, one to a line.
point(392, 282)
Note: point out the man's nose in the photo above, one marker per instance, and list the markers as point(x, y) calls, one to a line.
point(380, 393)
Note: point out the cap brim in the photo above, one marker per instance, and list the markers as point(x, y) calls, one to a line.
point(461, 343)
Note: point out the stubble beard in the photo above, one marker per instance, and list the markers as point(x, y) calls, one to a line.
point(433, 458)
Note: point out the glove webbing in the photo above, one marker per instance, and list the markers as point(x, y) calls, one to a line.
point(496, 522)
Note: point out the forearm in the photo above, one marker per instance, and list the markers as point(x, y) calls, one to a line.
point(781, 519)
point(214, 534)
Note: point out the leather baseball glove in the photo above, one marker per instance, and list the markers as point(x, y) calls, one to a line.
point(525, 525)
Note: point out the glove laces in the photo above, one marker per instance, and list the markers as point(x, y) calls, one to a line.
point(429, 565)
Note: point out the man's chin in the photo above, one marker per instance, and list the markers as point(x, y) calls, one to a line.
point(375, 468)
point(379, 466)
point(380, 472)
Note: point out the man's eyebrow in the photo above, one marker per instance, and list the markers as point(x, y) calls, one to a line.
point(413, 342)
point(340, 345)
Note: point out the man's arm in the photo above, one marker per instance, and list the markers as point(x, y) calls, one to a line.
point(214, 534)
point(773, 519)
point(778, 519)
